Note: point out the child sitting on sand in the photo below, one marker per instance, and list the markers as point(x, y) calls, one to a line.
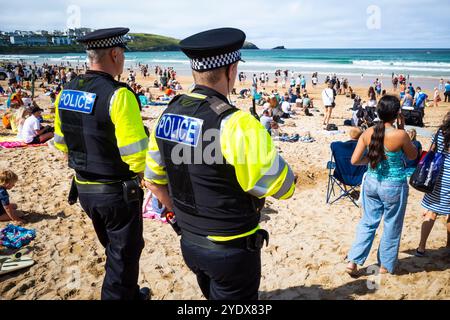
point(8, 210)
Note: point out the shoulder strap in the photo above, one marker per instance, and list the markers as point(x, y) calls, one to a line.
point(219, 106)
point(174, 99)
point(434, 145)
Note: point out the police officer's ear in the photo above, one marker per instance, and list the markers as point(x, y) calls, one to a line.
point(231, 71)
point(114, 54)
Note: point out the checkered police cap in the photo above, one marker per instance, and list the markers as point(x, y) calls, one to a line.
point(213, 49)
point(105, 38)
point(118, 41)
point(210, 63)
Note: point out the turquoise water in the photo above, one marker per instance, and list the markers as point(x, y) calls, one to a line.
point(433, 63)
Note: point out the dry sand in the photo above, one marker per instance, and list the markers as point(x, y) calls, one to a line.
point(308, 246)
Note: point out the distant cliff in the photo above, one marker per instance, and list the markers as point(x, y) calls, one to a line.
point(249, 45)
point(141, 42)
point(279, 48)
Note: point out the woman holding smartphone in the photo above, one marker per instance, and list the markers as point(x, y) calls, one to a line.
point(385, 187)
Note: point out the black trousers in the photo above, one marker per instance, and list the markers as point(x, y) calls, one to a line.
point(232, 274)
point(119, 228)
point(447, 96)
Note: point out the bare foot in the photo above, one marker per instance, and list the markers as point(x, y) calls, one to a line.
point(383, 270)
point(352, 269)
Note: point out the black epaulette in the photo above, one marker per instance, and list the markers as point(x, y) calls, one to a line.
point(219, 106)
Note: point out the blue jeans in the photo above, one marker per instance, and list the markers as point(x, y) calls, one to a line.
point(381, 198)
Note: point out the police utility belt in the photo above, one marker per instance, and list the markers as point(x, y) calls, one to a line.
point(129, 188)
point(253, 242)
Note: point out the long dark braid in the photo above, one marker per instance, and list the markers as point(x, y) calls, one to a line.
point(387, 109)
point(376, 148)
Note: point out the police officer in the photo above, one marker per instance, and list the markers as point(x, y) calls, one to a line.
point(99, 125)
point(213, 165)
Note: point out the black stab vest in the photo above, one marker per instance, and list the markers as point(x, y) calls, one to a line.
point(208, 199)
point(90, 138)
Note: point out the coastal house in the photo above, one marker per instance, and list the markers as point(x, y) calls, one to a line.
point(78, 32)
point(28, 40)
point(59, 41)
point(4, 41)
point(42, 33)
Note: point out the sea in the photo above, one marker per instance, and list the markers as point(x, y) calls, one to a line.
point(360, 65)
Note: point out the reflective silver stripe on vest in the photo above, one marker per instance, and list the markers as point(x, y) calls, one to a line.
point(134, 148)
point(149, 174)
point(224, 122)
point(111, 102)
point(290, 178)
point(156, 156)
point(59, 139)
point(262, 186)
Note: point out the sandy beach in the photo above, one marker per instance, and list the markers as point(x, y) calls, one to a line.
point(309, 239)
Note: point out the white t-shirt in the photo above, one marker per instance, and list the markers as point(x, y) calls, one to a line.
point(265, 121)
point(286, 107)
point(327, 97)
point(30, 126)
point(372, 103)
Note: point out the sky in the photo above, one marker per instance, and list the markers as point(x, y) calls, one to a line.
point(267, 23)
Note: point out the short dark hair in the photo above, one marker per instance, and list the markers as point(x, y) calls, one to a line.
point(209, 76)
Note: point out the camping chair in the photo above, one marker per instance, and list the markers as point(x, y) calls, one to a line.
point(342, 173)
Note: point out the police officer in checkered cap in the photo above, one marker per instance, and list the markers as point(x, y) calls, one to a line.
point(212, 165)
point(99, 125)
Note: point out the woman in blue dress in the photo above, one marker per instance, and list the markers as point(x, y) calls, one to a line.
point(437, 203)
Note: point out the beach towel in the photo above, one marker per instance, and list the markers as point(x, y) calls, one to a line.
point(151, 208)
point(48, 117)
point(296, 138)
point(19, 144)
point(16, 237)
point(152, 103)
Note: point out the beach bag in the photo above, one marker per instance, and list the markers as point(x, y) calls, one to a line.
point(413, 118)
point(15, 237)
point(421, 99)
point(428, 170)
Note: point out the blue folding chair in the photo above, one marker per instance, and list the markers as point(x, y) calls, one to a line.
point(342, 173)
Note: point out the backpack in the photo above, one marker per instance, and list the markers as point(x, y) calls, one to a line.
point(420, 99)
point(413, 118)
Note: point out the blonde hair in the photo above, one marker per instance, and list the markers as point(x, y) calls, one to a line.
point(7, 177)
